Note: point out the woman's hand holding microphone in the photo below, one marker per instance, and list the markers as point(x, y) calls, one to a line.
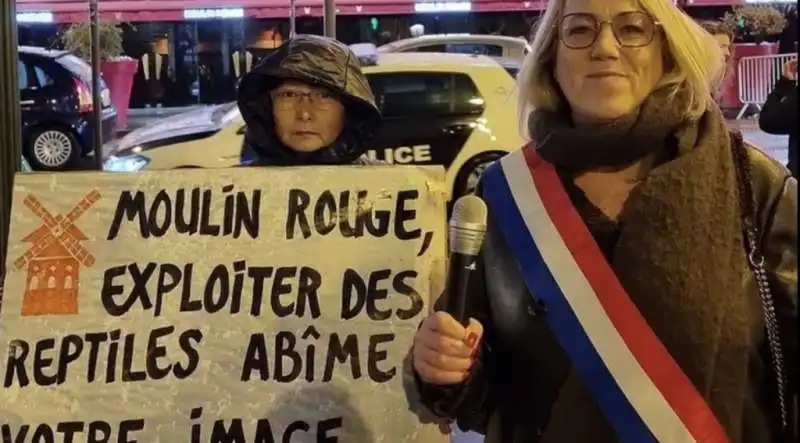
point(444, 350)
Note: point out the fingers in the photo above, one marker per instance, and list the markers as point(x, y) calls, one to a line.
point(437, 376)
point(443, 344)
point(474, 333)
point(444, 350)
point(445, 324)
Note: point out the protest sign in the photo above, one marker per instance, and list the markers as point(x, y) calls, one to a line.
point(244, 305)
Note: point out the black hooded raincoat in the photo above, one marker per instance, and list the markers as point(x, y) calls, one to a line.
point(317, 61)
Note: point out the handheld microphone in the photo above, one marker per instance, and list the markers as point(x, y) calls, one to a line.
point(467, 229)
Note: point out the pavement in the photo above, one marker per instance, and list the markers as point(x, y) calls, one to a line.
point(775, 145)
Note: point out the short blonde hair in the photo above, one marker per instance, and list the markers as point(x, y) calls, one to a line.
point(694, 61)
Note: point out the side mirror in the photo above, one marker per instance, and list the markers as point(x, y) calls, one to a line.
point(241, 130)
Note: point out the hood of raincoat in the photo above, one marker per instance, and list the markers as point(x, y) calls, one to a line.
point(317, 61)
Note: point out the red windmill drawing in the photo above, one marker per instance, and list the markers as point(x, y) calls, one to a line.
point(55, 259)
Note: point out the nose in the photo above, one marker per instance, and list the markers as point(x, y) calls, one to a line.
point(304, 110)
point(606, 45)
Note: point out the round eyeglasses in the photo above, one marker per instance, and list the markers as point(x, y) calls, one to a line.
point(631, 29)
point(290, 99)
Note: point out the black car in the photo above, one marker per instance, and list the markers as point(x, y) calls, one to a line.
point(55, 89)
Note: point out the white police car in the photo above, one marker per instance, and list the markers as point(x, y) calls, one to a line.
point(454, 110)
point(495, 46)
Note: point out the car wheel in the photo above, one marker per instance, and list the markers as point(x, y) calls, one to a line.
point(52, 149)
point(470, 172)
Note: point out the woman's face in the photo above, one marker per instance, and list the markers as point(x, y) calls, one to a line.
point(608, 58)
point(307, 118)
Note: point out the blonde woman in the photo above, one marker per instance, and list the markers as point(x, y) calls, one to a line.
point(638, 280)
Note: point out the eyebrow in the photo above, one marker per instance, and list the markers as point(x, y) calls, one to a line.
point(299, 89)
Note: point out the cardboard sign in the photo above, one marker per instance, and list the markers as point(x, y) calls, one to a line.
point(244, 305)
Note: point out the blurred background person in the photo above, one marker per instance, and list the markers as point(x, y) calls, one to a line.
point(722, 34)
point(616, 97)
point(385, 38)
point(307, 103)
point(724, 38)
point(779, 113)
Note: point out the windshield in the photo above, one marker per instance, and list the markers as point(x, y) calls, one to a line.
point(225, 114)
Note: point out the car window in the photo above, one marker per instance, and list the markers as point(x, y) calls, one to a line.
point(476, 48)
point(42, 77)
point(425, 94)
point(22, 75)
point(79, 68)
point(428, 48)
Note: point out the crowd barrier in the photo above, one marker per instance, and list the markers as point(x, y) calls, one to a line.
point(757, 76)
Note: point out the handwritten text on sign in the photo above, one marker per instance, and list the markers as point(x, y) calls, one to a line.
point(239, 306)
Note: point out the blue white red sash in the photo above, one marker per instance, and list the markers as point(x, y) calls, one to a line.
point(643, 392)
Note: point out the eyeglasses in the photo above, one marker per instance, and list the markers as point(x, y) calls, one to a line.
point(289, 99)
point(631, 29)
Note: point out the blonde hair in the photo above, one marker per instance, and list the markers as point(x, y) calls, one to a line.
point(693, 62)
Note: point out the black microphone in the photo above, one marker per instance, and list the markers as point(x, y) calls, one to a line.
point(467, 229)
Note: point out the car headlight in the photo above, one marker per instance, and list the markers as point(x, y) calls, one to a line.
point(129, 163)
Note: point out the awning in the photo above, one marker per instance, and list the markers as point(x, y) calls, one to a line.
point(70, 11)
point(698, 3)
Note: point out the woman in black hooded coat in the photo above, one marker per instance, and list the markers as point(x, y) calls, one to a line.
point(307, 103)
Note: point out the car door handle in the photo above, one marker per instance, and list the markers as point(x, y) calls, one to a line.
point(456, 128)
point(27, 102)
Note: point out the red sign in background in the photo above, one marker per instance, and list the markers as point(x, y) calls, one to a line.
point(71, 11)
point(696, 3)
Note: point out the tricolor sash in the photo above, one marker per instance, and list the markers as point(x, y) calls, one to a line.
point(642, 391)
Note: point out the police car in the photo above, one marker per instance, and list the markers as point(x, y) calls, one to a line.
point(454, 110)
point(495, 46)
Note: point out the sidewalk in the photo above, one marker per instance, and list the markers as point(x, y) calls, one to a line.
point(775, 145)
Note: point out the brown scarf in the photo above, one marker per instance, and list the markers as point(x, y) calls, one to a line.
point(680, 257)
point(616, 143)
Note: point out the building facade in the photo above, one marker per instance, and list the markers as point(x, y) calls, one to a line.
point(193, 51)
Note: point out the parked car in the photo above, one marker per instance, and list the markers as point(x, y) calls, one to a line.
point(55, 89)
point(496, 46)
point(453, 110)
point(511, 65)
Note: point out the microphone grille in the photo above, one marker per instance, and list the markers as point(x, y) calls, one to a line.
point(468, 225)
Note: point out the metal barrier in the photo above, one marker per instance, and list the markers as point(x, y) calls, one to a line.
point(757, 76)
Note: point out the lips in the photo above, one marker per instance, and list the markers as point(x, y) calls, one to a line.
point(605, 75)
